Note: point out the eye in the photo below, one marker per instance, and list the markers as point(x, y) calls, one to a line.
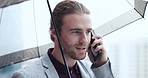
point(76, 32)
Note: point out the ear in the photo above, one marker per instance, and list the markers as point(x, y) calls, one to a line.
point(52, 31)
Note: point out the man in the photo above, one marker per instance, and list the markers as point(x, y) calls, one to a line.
point(74, 26)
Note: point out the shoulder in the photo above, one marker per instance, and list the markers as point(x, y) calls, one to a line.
point(30, 70)
point(103, 71)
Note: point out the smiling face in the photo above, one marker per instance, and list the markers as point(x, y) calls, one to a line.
point(75, 35)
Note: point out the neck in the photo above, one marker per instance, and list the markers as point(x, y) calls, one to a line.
point(57, 54)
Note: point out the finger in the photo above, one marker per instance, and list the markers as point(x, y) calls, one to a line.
point(98, 48)
point(97, 37)
point(97, 42)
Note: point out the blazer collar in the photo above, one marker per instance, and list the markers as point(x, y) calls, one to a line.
point(50, 70)
point(83, 70)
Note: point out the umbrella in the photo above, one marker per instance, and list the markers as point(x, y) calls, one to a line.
point(5, 3)
point(27, 53)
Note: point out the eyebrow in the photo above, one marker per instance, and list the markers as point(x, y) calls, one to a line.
point(79, 29)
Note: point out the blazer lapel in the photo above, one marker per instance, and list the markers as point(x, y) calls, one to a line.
point(83, 70)
point(50, 71)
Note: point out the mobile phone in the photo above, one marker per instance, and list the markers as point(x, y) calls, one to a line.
point(91, 51)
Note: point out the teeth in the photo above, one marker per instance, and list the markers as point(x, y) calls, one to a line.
point(81, 48)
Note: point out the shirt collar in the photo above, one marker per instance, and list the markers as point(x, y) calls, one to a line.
point(59, 66)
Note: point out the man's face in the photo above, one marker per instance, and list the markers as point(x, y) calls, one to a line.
point(75, 35)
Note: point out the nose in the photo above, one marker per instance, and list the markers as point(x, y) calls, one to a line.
point(84, 37)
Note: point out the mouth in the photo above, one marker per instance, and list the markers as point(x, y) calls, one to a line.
point(81, 48)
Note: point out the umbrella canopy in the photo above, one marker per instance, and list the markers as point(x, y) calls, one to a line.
point(23, 38)
point(5, 3)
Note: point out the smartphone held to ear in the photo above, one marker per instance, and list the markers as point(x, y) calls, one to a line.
point(95, 57)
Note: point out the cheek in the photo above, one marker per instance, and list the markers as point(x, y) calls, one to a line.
point(69, 42)
point(69, 38)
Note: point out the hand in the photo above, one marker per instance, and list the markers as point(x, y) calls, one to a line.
point(102, 58)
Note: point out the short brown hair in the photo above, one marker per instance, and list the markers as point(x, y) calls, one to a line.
point(64, 8)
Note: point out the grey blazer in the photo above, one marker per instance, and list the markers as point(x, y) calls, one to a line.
point(43, 68)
